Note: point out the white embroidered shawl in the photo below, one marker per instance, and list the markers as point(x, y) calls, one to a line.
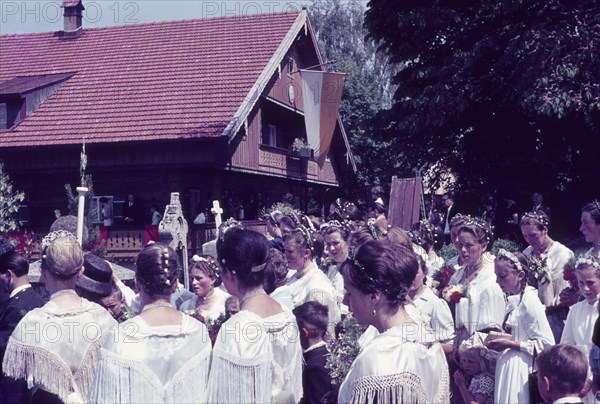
point(393, 368)
point(144, 364)
point(257, 360)
point(58, 348)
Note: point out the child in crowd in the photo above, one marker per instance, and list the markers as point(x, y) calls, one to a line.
point(232, 306)
point(474, 378)
point(312, 318)
point(561, 375)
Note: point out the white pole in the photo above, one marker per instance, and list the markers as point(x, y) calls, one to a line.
point(80, 212)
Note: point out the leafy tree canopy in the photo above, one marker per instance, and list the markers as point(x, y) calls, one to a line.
point(503, 92)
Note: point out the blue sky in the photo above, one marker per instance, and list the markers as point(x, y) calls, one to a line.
point(25, 16)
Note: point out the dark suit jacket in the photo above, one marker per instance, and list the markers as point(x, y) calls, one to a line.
point(13, 391)
point(315, 376)
point(132, 212)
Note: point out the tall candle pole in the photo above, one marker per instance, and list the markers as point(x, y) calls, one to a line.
point(82, 191)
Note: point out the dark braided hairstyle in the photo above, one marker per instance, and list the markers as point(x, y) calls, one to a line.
point(156, 269)
point(379, 266)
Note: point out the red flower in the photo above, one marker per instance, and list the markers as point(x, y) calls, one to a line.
point(455, 297)
point(569, 275)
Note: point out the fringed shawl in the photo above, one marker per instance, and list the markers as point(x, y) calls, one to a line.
point(167, 364)
point(394, 368)
point(58, 348)
point(257, 360)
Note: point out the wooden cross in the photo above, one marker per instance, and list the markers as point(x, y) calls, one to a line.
point(217, 211)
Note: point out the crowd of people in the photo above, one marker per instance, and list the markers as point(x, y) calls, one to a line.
point(260, 318)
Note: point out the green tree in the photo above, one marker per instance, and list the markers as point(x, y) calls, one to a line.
point(503, 92)
point(9, 203)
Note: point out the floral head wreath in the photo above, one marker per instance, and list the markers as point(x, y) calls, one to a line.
point(371, 227)
point(597, 205)
point(425, 226)
point(210, 262)
point(587, 259)
point(358, 265)
point(476, 342)
point(308, 235)
point(345, 225)
point(511, 257)
point(482, 224)
point(227, 225)
point(50, 237)
point(414, 238)
point(537, 216)
point(341, 207)
point(459, 217)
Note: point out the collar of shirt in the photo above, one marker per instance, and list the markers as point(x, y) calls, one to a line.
point(18, 289)
point(315, 346)
point(573, 399)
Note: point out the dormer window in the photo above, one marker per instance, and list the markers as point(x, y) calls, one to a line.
point(20, 96)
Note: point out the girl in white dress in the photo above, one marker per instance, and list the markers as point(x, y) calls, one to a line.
point(336, 236)
point(398, 365)
point(579, 326)
point(534, 227)
point(526, 323)
point(161, 355)
point(257, 357)
point(482, 303)
point(209, 300)
point(433, 310)
point(309, 282)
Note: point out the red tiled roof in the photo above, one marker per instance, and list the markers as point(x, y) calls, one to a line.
point(168, 80)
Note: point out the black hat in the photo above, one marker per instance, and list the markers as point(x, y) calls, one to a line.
point(97, 275)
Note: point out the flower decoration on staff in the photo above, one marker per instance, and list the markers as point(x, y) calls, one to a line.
point(538, 271)
point(453, 293)
point(569, 274)
point(343, 349)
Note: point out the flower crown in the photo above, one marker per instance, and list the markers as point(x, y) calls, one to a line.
point(357, 264)
point(596, 205)
point(425, 226)
point(227, 225)
point(482, 224)
point(538, 217)
point(371, 227)
point(340, 208)
point(483, 351)
point(587, 259)
point(459, 217)
point(210, 262)
point(308, 236)
point(511, 257)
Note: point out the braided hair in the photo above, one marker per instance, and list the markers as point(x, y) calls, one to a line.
point(156, 269)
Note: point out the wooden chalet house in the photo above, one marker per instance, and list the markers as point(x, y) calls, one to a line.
point(200, 107)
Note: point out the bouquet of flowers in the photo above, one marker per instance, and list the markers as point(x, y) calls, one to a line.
point(441, 278)
point(538, 271)
point(343, 349)
point(453, 293)
point(569, 274)
point(212, 325)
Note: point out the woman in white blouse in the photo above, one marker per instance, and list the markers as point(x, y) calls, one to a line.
point(397, 365)
point(553, 256)
point(482, 303)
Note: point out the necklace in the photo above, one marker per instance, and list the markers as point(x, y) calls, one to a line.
point(64, 292)
point(160, 303)
point(252, 293)
point(470, 271)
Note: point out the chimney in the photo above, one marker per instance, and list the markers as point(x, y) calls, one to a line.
point(73, 17)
